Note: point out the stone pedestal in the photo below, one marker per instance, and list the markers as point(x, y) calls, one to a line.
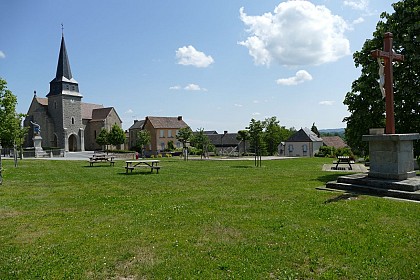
point(391, 155)
point(39, 152)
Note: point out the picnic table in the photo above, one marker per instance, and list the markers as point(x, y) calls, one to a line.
point(101, 158)
point(343, 160)
point(141, 163)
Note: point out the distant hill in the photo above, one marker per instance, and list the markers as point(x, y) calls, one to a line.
point(332, 130)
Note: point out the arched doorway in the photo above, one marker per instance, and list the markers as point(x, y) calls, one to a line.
point(72, 143)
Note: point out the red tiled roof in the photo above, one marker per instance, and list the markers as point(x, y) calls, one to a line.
point(166, 122)
point(334, 141)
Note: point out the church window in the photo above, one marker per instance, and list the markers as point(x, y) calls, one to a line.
point(94, 132)
point(305, 148)
point(72, 120)
point(162, 133)
point(290, 148)
point(55, 104)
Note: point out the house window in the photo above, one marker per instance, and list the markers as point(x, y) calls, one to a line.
point(290, 148)
point(162, 146)
point(162, 133)
point(169, 133)
point(178, 144)
point(176, 132)
point(305, 148)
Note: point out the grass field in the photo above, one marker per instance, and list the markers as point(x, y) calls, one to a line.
point(198, 220)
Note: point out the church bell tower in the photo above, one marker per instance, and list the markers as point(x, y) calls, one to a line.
point(64, 106)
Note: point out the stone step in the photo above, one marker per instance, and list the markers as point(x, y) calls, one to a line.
point(409, 185)
point(373, 190)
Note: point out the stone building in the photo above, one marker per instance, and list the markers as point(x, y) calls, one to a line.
point(66, 122)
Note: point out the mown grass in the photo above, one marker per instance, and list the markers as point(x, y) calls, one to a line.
point(198, 220)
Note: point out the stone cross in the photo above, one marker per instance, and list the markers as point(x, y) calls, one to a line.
point(388, 55)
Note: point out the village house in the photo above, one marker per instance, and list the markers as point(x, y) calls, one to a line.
point(304, 143)
point(162, 131)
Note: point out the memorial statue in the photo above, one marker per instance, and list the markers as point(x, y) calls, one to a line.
point(37, 128)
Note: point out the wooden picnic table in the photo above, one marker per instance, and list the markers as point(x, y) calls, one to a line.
point(343, 160)
point(151, 163)
point(101, 158)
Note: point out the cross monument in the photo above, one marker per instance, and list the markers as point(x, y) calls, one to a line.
point(389, 56)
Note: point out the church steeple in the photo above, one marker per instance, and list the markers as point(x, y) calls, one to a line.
point(63, 83)
point(63, 67)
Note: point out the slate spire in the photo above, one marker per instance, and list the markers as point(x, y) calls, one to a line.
point(63, 67)
point(63, 82)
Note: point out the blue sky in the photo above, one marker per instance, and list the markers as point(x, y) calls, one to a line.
point(217, 63)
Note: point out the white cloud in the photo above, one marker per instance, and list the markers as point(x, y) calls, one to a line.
point(238, 105)
point(194, 87)
point(357, 4)
point(129, 111)
point(300, 77)
point(327, 103)
point(2, 55)
point(190, 56)
point(297, 33)
point(256, 114)
point(358, 20)
point(177, 87)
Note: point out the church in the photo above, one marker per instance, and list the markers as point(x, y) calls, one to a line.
point(66, 122)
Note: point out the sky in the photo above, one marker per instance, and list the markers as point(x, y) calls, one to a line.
point(218, 63)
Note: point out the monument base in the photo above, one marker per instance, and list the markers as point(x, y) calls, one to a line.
point(363, 183)
point(391, 169)
point(39, 152)
point(391, 155)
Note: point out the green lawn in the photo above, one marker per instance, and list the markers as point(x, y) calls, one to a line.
point(198, 220)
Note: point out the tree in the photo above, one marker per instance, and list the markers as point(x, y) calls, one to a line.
point(11, 131)
point(272, 134)
point(365, 102)
point(256, 137)
point(314, 129)
point(201, 141)
point(143, 139)
point(243, 135)
point(116, 136)
point(102, 139)
point(184, 135)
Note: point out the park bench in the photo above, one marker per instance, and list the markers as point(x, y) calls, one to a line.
point(132, 164)
point(346, 160)
point(98, 158)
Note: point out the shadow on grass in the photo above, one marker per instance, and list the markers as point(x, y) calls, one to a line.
point(330, 177)
point(137, 173)
point(346, 196)
point(242, 166)
point(93, 166)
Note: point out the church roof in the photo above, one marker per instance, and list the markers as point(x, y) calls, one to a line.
point(87, 110)
point(304, 135)
point(101, 113)
point(166, 122)
point(42, 101)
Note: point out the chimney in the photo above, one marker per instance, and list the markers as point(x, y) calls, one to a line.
point(179, 118)
point(136, 121)
point(224, 132)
